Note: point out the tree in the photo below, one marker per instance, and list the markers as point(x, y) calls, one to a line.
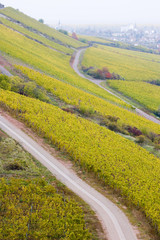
point(41, 20)
point(74, 35)
point(63, 31)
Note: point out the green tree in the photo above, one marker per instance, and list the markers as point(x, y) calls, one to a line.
point(41, 20)
point(63, 31)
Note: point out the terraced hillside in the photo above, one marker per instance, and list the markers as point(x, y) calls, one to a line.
point(131, 65)
point(116, 161)
point(140, 73)
point(47, 60)
point(145, 93)
point(91, 126)
point(86, 102)
point(40, 27)
point(28, 200)
point(39, 38)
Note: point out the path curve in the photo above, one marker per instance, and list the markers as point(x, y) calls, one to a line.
point(98, 82)
point(5, 72)
point(114, 221)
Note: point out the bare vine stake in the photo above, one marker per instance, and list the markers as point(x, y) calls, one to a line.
point(29, 222)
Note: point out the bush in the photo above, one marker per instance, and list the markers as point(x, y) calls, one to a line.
point(114, 127)
point(112, 118)
point(5, 82)
point(152, 136)
point(13, 166)
point(157, 147)
point(86, 110)
point(63, 31)
point(140, 139)
point(29, 89)
point(17, 84)
point(101, 73)
point(133, 130)
point(157, 139)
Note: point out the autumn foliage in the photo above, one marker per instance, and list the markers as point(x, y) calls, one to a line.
point(74, 36)
point(101, 73)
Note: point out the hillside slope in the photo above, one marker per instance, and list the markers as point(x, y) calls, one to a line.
point(93, 128)
point(34, 25)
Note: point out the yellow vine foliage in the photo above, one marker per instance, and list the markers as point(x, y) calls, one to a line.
point(77, 97)
point(131, 65)
point(36, 36)
point(116, 161)
point(48, 61)
point(31, 209)
point(145, 93)
point(43, 28)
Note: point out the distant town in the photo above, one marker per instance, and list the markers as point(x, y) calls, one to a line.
point(137, 35)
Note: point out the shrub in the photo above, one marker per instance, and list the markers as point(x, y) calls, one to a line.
point(112, 118)
point(140, 139)
point(5, 82)
point(13, 166)
point(85, 110)
point(114, 127)
point(157, 146)
point(63, 31)
point(157, 139)
point(101, 73)
point(152, 136)
point(68, 110)
point(133, 130)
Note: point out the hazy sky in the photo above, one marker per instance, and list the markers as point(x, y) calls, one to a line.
point(90, 11)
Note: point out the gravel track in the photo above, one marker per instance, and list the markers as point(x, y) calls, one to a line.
point(98, 82)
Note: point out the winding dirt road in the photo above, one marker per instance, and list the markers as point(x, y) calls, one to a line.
point(98, 82)
point(114, 221)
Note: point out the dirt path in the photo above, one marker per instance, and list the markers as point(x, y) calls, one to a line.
point(114, 222)
point(98, 82)
point(5, 72)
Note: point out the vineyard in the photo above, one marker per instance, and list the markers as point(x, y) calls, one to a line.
point(33, 205)
point(131, 65)
point(35, 36)
point(42, 28)
point(46, 214)
point(48, 61)
point(116, 161)
point(80, 99)
point(96, 130)
point(94, 39)
point(145, 93)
